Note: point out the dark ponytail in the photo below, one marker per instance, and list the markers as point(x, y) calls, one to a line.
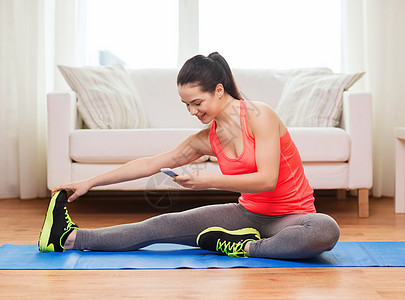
point(208, 72)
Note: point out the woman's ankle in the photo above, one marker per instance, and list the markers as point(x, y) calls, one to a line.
point(70, 241)
point(247, 247)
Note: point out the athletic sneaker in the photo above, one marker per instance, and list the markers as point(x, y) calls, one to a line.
point(231, 243)
point(57, 225)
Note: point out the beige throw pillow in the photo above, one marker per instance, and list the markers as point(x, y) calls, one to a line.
point(106, 97)
point(314, 99)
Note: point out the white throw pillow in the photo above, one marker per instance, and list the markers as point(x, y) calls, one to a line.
point(314, 99)
point(106, 98)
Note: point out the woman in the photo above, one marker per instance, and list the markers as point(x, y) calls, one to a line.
point(275, 216)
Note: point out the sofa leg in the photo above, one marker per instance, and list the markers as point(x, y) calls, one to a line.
point(363, 203)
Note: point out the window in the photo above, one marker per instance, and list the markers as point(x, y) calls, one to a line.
point(272, 33)
point(139, 33)
point(252, 34)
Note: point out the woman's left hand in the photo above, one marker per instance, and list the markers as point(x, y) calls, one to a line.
point(196, 180)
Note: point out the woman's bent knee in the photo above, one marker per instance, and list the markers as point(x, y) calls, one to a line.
point(328, 231)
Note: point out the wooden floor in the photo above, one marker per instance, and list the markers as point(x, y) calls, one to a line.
point(21, 220)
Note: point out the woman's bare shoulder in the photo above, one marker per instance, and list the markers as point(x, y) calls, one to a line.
point(260, 114)
point(256, 108)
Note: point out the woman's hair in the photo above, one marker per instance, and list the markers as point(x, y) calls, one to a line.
point(207, 72)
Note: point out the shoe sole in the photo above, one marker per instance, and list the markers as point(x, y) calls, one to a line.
point(48, 222)
point(242, 231)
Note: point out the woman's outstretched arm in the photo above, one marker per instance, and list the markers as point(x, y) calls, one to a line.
point(189, 150)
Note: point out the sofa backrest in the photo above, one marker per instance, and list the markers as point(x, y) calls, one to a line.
point(265, 85)
point(158, 92)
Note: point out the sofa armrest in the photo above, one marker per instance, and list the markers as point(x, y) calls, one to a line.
point(357, 121)
point(62, 117)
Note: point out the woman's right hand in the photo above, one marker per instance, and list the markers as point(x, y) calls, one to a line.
point(78, 189)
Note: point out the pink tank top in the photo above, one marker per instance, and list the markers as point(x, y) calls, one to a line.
point(292, 195)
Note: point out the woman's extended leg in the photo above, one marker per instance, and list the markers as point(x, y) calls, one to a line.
point(291, 236)
point(296, 237)
point(181, 228)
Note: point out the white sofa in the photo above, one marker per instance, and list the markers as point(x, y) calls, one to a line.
point(333, 157)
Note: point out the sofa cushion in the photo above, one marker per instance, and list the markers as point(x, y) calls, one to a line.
point(263, 85)
point(321, 144)
point(121, 146)
point(267, 85)
point(106, 98)
point(332, 175)
point(314, 99)
point(157, 91)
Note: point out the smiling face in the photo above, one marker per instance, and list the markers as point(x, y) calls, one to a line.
point(203, 105)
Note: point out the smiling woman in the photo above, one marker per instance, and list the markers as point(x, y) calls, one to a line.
point(275, 216)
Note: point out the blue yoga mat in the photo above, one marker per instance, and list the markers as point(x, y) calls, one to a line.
point(171, 256)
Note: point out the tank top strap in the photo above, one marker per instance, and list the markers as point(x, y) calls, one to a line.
point(215, 145)
point(243, 119)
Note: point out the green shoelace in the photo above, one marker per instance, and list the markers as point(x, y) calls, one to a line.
point(69, 221)
point(68, 229)
point(232, 249)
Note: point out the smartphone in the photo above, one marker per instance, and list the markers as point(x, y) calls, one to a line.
point(169, 172)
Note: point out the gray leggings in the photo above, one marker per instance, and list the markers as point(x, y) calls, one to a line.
point(285, 237)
